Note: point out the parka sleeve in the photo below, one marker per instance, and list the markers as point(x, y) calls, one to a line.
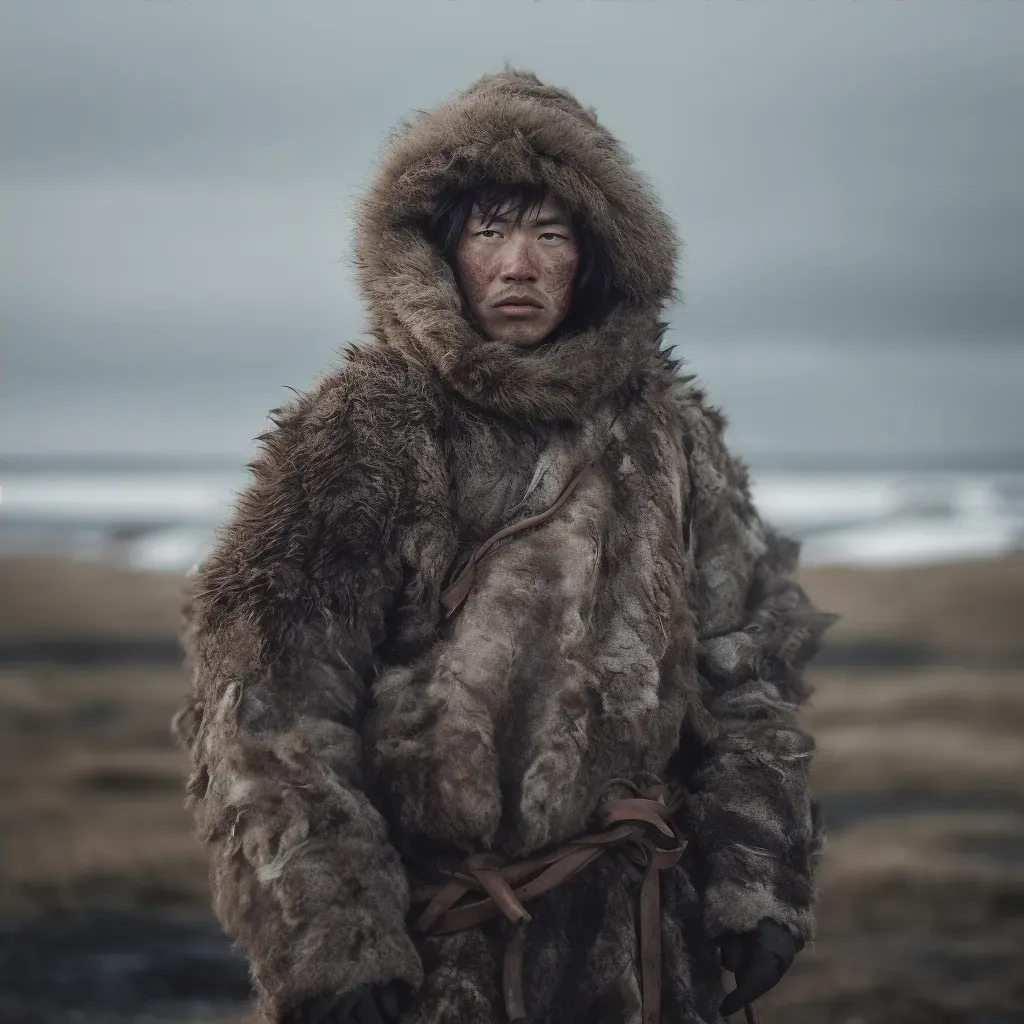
point(282, 621)
point(756, 828)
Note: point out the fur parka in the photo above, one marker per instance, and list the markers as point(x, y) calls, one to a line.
point(342, 730)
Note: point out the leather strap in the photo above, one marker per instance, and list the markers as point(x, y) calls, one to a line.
point(641, 825)
point(454, 595)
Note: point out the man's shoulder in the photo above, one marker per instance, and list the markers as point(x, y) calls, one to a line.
point(376, 403)
point(703, 423)
point(374, 387)
point(716, 471)
point(336, 459)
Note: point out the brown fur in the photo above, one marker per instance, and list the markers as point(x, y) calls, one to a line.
point(343, 732)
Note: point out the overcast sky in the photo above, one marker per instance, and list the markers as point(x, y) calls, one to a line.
point(847, 177)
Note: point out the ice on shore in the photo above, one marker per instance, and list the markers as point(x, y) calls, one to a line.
point(165, 521)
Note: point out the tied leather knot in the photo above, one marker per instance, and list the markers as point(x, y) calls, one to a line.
point(640, 824)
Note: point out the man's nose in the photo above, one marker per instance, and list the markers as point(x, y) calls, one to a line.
point(517, 262)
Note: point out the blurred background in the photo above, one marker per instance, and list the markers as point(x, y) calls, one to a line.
point(178, 181)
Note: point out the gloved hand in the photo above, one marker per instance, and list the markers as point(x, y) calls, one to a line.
point(758, 959)
point(368, 1004)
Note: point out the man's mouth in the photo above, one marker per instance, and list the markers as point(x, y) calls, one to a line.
point(518, 305)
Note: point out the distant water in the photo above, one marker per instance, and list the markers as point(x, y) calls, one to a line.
point(165, 519)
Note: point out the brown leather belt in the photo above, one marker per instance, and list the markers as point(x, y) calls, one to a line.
point(640, 825)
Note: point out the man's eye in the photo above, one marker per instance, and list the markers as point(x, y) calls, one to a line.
point(489, 233)
point(551, 234)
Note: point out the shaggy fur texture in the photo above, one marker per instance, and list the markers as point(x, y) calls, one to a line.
point(344, 733)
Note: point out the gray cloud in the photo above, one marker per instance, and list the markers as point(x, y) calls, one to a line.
point(178, 176)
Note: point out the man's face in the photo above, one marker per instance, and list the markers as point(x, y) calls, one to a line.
point(518, 279)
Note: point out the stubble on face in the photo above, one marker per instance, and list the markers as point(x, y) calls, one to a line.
point(518, 279)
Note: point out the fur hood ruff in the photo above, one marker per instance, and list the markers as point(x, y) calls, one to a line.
point(509, 128)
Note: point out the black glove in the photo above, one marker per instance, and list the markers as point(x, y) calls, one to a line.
point(368, 1004)
point(758, 959)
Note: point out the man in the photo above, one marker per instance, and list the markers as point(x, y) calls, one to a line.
point(496, 669)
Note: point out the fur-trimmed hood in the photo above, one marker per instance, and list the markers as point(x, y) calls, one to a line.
point(510, 128)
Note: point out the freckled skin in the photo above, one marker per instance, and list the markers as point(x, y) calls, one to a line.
point(536, 260)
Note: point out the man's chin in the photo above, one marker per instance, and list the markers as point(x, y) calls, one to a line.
point(520, 338)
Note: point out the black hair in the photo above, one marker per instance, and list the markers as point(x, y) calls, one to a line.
point(593, 290)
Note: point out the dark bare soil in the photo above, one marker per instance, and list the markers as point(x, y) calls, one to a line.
point(103, 899)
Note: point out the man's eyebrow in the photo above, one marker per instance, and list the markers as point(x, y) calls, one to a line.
point(545, 222)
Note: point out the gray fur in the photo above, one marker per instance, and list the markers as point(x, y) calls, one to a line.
point(341, 730)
